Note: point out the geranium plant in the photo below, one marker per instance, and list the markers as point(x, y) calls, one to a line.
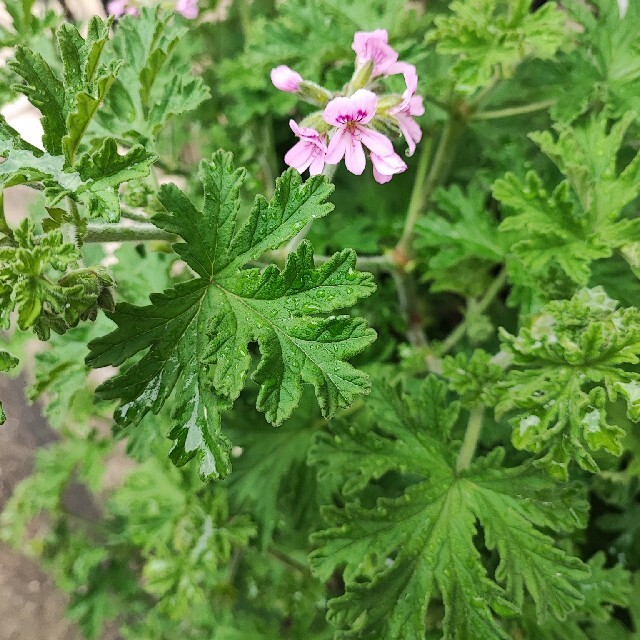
point(397, 404)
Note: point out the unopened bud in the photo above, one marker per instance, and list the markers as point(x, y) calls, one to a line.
point(286, 79)
point(388, 101)
point(361, 77)
point(314, 93)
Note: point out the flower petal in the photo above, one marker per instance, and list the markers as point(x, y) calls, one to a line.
point(188, 8)
point(388, 165)
point(364, 104)
point(337, 146)
point(379, 178)
point(410, 130)
point(317, 165)
point(300, 155)
point(338, 111)
point(375, 141)
point(373, 46)
point(416, 108)
point(354, 156)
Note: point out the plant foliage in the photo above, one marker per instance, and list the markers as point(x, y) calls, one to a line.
point(260, 433)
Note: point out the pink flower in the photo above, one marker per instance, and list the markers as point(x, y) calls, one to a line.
point(309, 152)
point(373, 46)
point(119, 8)
point(350, 116)
point(384, 167)
point(188, 8)
point(286, 79)
point(410, 106)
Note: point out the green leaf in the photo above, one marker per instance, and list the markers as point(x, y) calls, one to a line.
point(46, 92)
point(602, 191)
point(460, 243)
point(7, 362)
point(553, 232)
point(603, 589)
point(194, 537)
point(474, 377)
point(198, 332)
point(490, 38)
point(578, 222)
point(604, 66)
point(55, 468)
point(95, 183)
point(155, 85)
point(43, 299)
point(270, 477)
point(61, 379)
point(565, 369)
point(68, 106)
point(27, 25)
point(400, 553)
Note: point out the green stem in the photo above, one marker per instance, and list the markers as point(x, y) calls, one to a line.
point(408, 301)
point(458, 333)
point(135, 232)
point(268, 159)
point(368, 263)
point(471, 437)
point(288, 560)
point(514, 111)
point(70, 229)
point(131, 214)
point(424, 187)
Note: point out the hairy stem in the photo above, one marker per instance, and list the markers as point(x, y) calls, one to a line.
point(514, 111)
point(134, 232)
point(490, 294)
point(288, 560)
point(367, 263)
point(424, 187)
point(471, 436)
point(132, 214)
point(408, 301)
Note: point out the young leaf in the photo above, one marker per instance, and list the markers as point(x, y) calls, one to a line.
point(398, 554)
point(68, 105)
point(198, 332)
point(95, 183)
point(579, 221)
point(462, 244)
point(271, 479)
point(604, 588)
point(566, 367)
point(44, 301)
point(492, 37)
point(7, 362)
point(155, 85)
point(604, 67)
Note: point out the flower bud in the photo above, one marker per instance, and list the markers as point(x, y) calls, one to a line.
point(361, 76)
point(187, 8)
point(286, 79)
point(314, 94)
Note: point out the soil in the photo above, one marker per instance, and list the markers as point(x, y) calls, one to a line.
point(30, 606)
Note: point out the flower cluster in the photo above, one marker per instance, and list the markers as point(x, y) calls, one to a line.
point(118, 8)
point(356, 120)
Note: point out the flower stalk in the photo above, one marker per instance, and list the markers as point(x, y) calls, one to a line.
point(133, 232)
point(471, 437)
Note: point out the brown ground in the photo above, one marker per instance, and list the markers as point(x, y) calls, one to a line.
point(30, 606)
